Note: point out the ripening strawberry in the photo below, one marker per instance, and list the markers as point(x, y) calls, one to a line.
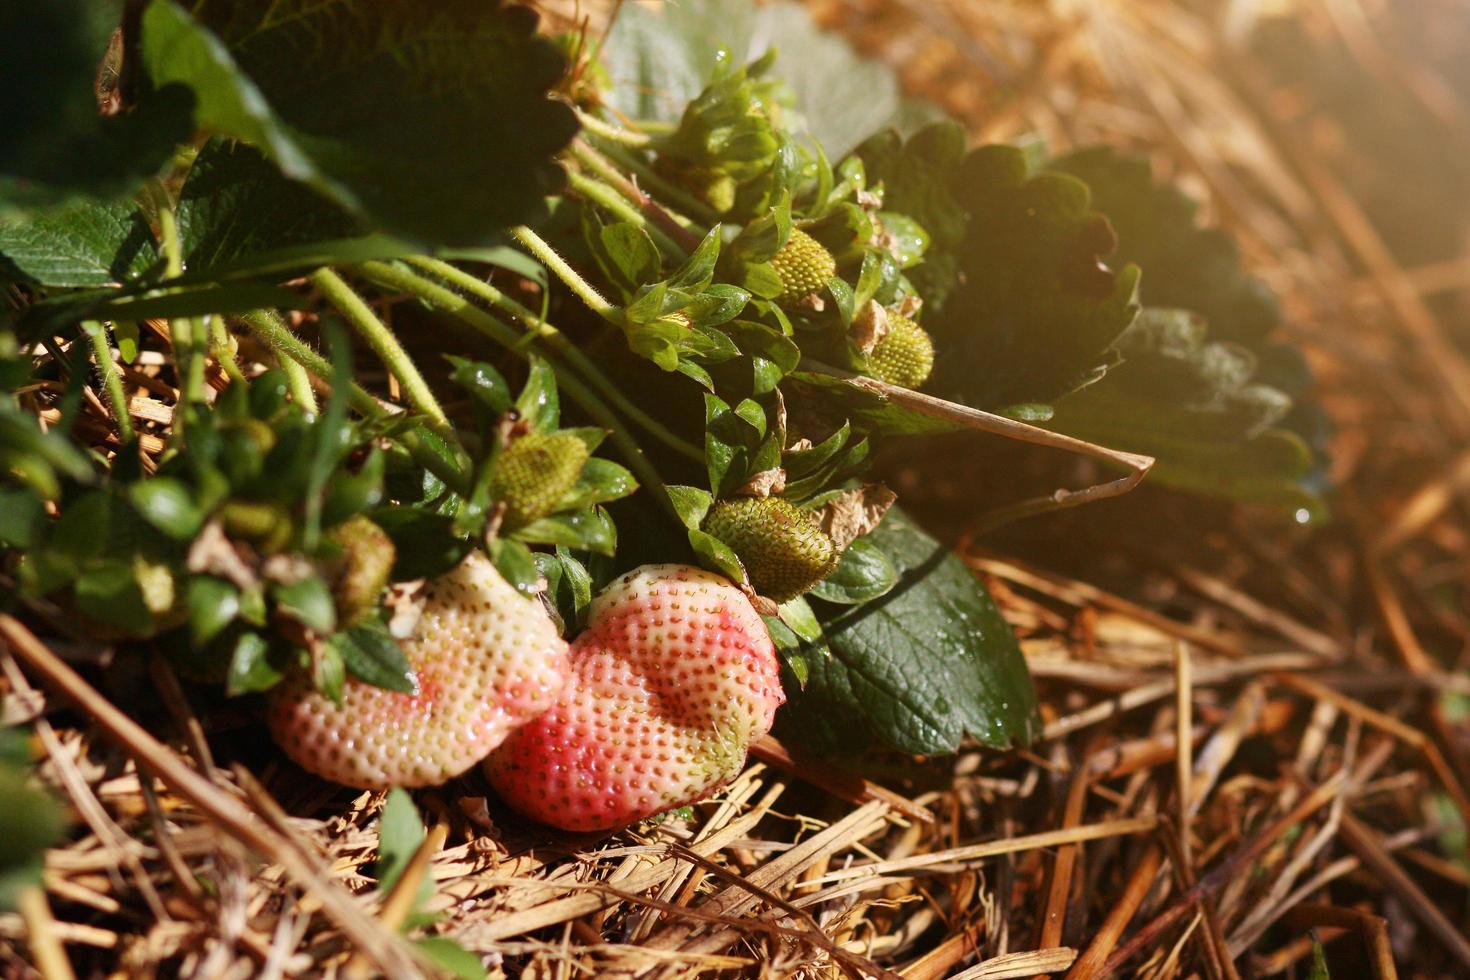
point(804, 265)
point(534, 472)
point(905, 355)
point(783, 550)
point(487, 659)
point(672, 680)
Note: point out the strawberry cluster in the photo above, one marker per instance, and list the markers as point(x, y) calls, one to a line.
point(653, 706)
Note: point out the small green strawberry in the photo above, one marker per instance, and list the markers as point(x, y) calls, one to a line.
point(534, 472)
point(905, 355)
point(359, 572)
point(804, 265)
point(783, 549)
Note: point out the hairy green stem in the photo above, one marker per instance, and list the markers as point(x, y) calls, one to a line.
point(219, 342)
point(608, 131)
point(273, 332)
point(184, 334)
point(655, 183)
point(561, 347)
point(687, 232)
point(117, 398)
point(608, 197)
point(538, 247)
point(355, 309)
point(437, 296)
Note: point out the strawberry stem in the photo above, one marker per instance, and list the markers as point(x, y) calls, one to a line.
point(271, 331)
point(539, 247)
point(117, 399)
point(607, 131)
point(383, 342)
point(602, 194)
point(188, 356)
point(404, 280)
point(563, 348)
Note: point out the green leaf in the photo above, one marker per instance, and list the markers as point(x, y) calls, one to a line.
point(236, 207)
point(538, 402)
point(109, 593)
point(429, 119)
point(863, 574)
point(1187, 266)
point(568, 586)
point(212, 605)
point(100, 243)
point(56, 143)
point(716, 555)
point(664, 55)
point(871, 410)
point(797, 614)
point(426, 543)
point(514, 562)
point(308, 601)
point(601, 481)
point(371, 655)
point(400, 832)
point(168, 505)
point(22, 517)
point(1034, 311)
point(30, 821)
point(583, 530)
point(919, 669)
point(452, 958)
point(691, 504)
point(252, 665)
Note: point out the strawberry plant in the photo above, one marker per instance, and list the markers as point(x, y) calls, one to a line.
point(367, 356)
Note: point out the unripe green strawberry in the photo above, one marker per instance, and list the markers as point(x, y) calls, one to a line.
point(783, 550)
point(487, 660)
point(534, 472)
point(804, 265)
point(359, 572)
point(672, 680)
point(905, 355)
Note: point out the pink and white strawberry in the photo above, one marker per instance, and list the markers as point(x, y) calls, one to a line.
point(487, 659)
point(672, 680)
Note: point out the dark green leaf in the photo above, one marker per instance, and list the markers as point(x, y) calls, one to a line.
point(100, 243)
point(22, 517)
point(426, 543)
point(1035, 310)
point(431, 118)
point(920, 668)
point(568, 586)
point(371, 655)
point(56, 143)
point(236, 207)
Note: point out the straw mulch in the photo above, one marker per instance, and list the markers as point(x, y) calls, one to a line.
point(1250, 741)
